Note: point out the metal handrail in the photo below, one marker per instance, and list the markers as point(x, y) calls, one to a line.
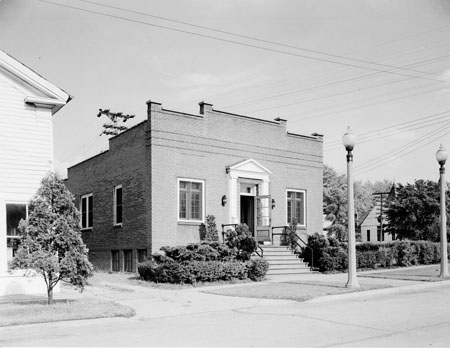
point(296, 242)
point(262, 251)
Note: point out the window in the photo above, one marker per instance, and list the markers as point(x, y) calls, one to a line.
point(128, 260)
point(368, 235)
point(115, 260)
point(87, 217)
point(296, 207)
point(118, 205)
point(14, 213)
point(142, 255)
point(190, 200)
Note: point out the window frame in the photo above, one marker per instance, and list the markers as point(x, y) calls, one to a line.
point(115, 223)
point(17, 236)
point(115, 262)
point(87, 227)
point(304, 207)
point(202, 196)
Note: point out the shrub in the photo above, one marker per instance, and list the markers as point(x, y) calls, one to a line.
point(145, 270)
point(241, 242)
point(257, 268)
point(211, 232)
point(406, 253)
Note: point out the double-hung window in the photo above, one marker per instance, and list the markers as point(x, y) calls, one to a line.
point(296, 206)
point(14, 213)
point(191, 200)
point(118, 205)
point(87, 217)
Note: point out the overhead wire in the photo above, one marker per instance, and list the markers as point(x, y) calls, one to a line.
point(249, 37)
point(412, 146)
point(325, 60)
point(393, 128)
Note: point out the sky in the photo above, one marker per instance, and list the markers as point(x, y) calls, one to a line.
point(380, 67)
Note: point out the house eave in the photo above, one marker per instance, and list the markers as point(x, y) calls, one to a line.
point(57, 96)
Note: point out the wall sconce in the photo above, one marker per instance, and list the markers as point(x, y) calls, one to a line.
point(273, 203)
point(224, 200)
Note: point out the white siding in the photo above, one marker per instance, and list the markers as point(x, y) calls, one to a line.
point(26, 144)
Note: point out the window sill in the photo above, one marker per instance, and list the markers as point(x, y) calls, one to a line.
point(87, 229)
point(190, 223)
point(117, 226)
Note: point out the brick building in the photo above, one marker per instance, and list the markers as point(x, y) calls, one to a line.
point(158, 181)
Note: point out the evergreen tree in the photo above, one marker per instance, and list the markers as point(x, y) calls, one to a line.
point(51, 239)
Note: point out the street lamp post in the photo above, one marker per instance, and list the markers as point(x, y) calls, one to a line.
point(349, 140)
point(441, 157)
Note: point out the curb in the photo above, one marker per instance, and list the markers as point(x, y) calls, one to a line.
point(376, 292)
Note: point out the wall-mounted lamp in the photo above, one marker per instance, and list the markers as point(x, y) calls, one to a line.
point(224, 200)
point(273, 203)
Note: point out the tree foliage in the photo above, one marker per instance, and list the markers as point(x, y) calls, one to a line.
point(335, 199)
point(415, 211)
point(51, 239)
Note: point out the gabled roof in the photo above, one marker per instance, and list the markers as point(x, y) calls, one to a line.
point(42, 92)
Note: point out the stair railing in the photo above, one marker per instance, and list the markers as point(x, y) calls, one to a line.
point(295, 241)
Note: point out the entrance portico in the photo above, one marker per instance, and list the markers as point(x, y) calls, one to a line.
point(250, 202)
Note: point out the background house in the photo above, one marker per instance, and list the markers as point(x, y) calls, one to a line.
point(375, 221)
point(158, 181)
point(27, 103)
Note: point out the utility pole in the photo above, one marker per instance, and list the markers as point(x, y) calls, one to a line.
point(112, 128)
point(380, 217)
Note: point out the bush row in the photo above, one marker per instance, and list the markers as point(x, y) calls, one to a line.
point(190, 272)
point(330, 255)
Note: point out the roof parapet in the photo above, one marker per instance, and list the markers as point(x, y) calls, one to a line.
point(205, 107)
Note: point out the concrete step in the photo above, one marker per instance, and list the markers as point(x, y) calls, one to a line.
point(288, 271)
point(286, 262)
point(288, 266)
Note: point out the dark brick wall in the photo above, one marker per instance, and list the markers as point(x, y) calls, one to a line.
point(124, 164)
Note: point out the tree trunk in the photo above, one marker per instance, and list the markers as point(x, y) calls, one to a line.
point(49, 295)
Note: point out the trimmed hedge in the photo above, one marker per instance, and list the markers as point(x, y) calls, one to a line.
point(203, 262)
point(331, 255)
point(191, 272)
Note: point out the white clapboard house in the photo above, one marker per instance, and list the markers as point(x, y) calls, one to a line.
point(27, 104)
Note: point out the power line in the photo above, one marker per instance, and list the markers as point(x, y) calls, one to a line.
point(355, 78)
point(253, 38)
point(389, 71)
point(395, 127)
point(384, 158)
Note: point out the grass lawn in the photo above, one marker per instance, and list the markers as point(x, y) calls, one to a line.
point(37, 311)
point(292, 290)
point(116, 281)
point(423, 273)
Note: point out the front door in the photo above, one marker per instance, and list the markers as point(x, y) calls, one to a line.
point(263, 214)
point(248, 212)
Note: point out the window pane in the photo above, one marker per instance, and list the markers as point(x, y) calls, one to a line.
point(195, 206)
point(119, 196)
point(195, 186)
point(289, 211)
point(90, 211)
point(184, 185)
point(183, 208)
point(119, 214)
point(83, 212)
point(115, 260)
point(14, 213)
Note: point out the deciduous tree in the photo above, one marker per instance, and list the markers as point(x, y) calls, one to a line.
point(414, 213)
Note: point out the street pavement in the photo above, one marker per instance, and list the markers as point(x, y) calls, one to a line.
point(409, 314)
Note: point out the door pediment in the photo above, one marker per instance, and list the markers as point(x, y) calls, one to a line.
point(250, 167)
